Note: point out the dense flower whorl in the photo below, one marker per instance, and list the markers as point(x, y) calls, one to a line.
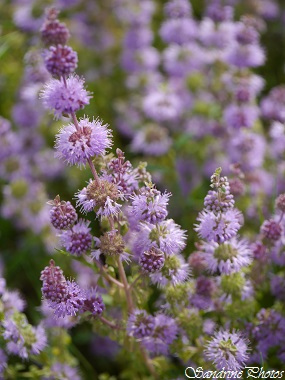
point(93, 302)
point(220, 227)
point(60, 60)
point(149, 205)
point(78, 239)
point(228, 351)
point(65, 97)
point(164, 332)
point(72, 303)
point(152, 260)
point(62, 215)
point(52, 31)
point(76, 144)
point(54, 283)
point(271, 230)
point(228, 257)
point(99, 196)
point(140, 324)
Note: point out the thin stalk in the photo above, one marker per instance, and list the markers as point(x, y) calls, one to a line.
point(109, 323)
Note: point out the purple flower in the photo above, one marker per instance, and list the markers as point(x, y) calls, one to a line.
point(52, 31)
point(243, 56)
point(228, 257)
point(220, 227)
point(60, 60)
point(272, 106)
point(122, 174)
point(175, 271)
point(12, 301)
point(77, 145)
point(62, 215)
point(145, 59)
point(93, 302)
point(152, 140)
point(100, 197)
point(72, 302)
point(248, 149)
point(271, 230)
point(162, 106)
point(164, 333)
point(149, 205)
point(23, 339)
point(51, 321)
point(152, 260)
point(167, 236)
point(65, 96)
point(178, 9)
point(140, 324)
point(277, 285)
point(228, 351)
point(179, 31)
point(240, 116)
point(78, 239)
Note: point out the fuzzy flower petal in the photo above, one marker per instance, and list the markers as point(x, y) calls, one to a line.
point(76, 146)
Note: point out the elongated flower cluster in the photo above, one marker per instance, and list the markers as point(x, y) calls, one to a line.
point(65, 297)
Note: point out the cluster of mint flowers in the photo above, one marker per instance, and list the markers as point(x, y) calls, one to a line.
point(138, 232)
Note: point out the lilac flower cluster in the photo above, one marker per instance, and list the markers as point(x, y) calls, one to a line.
point(65, 297)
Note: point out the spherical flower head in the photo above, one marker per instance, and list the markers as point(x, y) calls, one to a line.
point(78, 239)
point(220, 200)
point(54, 283)
point(140, 324)
point(166, 236)
point(149, 205)
point(65, 97)
point(271, 230)
point(112, 243)
point(228, 351)
point(77, 145)
point(72, 303)
point(162, 106)
point(52, 31)
point(175, 271)
point(60, 60)
point(220, 227)
point(93, 302)
point(164, 333)
point(152, 140)
point(62, 215)
point(228, 257)
point(152, 260)
point(99, 197)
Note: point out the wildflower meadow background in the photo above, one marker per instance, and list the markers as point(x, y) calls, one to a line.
point(142, 176)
